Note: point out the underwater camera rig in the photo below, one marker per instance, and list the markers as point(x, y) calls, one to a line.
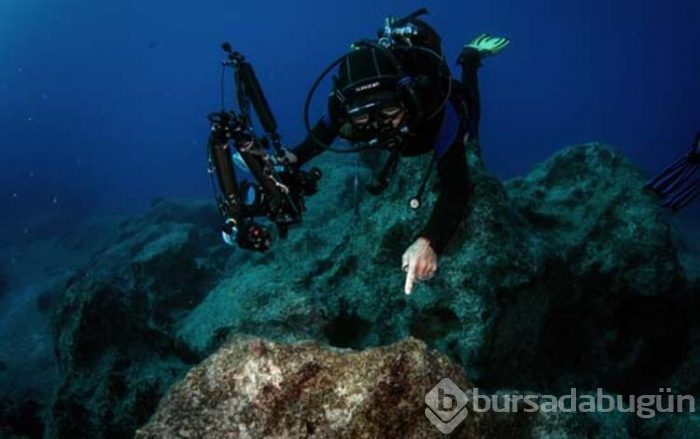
point(278, 190)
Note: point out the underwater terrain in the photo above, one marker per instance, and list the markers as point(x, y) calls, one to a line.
point(570, 276)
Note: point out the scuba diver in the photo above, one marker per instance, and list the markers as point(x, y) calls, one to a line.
point(395, 94)
point(678, 185)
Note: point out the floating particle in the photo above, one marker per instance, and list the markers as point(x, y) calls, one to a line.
point(29, 118)
point(54, 200)
point(20, 69)
point(15, 195)
point(26, 230)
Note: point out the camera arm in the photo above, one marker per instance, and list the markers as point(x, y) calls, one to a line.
point(277, 189)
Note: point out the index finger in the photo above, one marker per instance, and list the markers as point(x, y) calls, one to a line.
point(410, 278)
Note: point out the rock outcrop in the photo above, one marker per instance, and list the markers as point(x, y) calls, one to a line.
point(565, 277)
point(254, 388)
point(113, 327)
point(20, 417)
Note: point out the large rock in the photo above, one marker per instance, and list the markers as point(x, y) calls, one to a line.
point(590, 205)
point(113, 327)
point(253, 388)
point(612, 298)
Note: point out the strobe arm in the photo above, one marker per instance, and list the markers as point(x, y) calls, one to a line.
point(249, 90)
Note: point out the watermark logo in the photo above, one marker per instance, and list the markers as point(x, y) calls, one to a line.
point(446, 406)
point(447, 403)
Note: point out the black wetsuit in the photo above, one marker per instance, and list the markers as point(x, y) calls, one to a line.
point(451, 164)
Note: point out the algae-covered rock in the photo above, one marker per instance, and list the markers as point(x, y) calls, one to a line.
point(20, 418)
point(565, 277)
point(611, 299)
point(590, 204)
point(255, 388)
point(113, 326)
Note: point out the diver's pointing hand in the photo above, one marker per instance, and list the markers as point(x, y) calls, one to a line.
point(419, 262)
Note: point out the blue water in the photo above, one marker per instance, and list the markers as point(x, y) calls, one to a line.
point(103, 104)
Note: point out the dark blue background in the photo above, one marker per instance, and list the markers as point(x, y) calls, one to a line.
point(103, 104)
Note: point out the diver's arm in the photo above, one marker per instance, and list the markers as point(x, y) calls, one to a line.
point(419, 261)
point(452, 200)
point(325, 132)
point(470, 59)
